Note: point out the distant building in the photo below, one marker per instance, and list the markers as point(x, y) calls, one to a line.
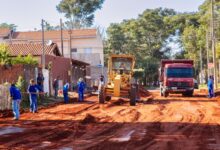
point(86, 44)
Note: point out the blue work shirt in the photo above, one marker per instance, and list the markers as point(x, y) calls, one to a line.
point(15, 93)
point(210, 83)
point(66, 88)
point(33, 89)
point(81, 86)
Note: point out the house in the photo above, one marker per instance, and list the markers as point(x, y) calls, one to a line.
point(61, 66)
point(86, 44)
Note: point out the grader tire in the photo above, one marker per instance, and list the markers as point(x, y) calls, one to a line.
point(102, 95)
point(133, 94)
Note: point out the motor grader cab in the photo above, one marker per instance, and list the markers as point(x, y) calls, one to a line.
point(120, 82)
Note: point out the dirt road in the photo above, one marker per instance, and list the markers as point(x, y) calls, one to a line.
point(169, 123)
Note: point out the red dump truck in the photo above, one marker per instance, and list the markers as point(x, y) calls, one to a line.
point(176, 76)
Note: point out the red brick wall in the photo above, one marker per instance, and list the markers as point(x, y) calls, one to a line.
point(12, 73)
point(60, 67)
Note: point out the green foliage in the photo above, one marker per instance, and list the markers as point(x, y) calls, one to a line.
point(79, 12)
point(4, 55)
point(218, 50)
point(49, 27)
point(138, 73)
point(21, 83)
point(50, 65)
point(144, 37)
point(26, 60)
point(10, 26)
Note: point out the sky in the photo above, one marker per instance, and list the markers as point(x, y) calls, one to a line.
point(27, 14)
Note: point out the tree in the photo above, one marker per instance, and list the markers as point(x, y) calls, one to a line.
point(10, 26)
point(79, 12)
point(4, 55)
point(49, 27)
point(144, 37)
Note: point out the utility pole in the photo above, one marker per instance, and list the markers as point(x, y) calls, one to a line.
point(213, 45)
point(71, 66)
point(201, 63)
point(61, 32)
point(43, 48)
point(207, 49)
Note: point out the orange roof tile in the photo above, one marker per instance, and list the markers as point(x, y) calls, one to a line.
point(37, 35)
point(33, 49)
point(4, 32)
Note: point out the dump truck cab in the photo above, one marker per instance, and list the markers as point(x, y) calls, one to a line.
point(176, 76)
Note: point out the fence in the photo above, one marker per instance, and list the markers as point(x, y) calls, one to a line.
point(5, 101)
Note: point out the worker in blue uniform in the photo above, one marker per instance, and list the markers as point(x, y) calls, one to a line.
point(33, 91)
point(81, 88)
point(210, 87)
point(16, 100)
point(65, 92)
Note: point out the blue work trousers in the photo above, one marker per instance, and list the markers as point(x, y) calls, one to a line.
point(55, 92)
point(66, 98)
point(33, 103)
point(15, 108)
point(211, 93)
point(81, 96)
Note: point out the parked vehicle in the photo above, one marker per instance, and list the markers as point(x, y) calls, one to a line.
point(176, 76)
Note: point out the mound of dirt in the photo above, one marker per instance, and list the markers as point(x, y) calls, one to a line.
point(217, 93)
point(143, 92)
point(89, 119)
point(120, 101)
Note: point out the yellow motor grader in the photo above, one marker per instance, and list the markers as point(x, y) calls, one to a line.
point(120, 82)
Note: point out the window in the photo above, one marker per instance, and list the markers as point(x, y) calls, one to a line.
point(74, 50)
point(179, 72)
point(88, 50)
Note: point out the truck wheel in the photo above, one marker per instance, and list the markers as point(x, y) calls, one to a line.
point(188, 93)
point(102, 95)
point(133, 96)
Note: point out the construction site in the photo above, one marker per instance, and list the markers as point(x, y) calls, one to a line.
point(174, 122)
point(110, 75)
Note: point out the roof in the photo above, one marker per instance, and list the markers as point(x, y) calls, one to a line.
point(4, 32)
point(37, 35)
point(33, 49)
point(78, 62)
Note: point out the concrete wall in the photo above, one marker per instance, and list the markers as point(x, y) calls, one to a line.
point(82, 45)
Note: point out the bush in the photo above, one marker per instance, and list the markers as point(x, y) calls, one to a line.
point(26, 60)
point(21, 83)
point(4, 55)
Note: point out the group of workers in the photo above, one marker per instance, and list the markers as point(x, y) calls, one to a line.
point(33, 91)
point(15, 94)
point(34, 88)
point(81, 88)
